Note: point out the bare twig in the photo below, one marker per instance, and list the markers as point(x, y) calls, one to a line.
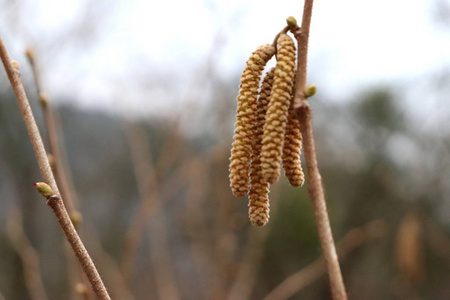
point(28, 255)
point(60, 170)
point(44, 101)
point(352, 240)
point(119, 288)
point(206, 254)
point(149, 190)
point(54, 201)
point(247, 273)
point(315, 187)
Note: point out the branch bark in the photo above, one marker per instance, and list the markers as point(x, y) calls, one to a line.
point(55, 201)
point(315, 186)
point(66, 189)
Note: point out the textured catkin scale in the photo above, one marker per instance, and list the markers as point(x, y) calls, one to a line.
point(258, 195)
point(245, 120)
point(291, 150)
point(277, 111)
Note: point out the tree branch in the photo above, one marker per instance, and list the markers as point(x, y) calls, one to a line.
point(55, 202)
point(355, 238)
point(315, 187)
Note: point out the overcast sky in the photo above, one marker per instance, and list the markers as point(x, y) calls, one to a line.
point(353, 43)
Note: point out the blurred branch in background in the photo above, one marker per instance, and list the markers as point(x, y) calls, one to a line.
point(149, 191)
point(54, 198)
point(438, 240)
point(66, 187)
point(247, 273)
point(28, 255)
point(383, 152)
point(117, 285)
point(352, 240)
point(60, 169)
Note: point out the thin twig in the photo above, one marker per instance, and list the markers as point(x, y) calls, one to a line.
point(45, 103)
point(307, 275)
point(247, 273)
point(315, 187)
point(205, 254)
point(55, 201)
point(119, 288)
point(28, 255)
point(148, 185)
point(60, 170)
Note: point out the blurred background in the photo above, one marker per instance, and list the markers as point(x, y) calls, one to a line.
point(143, 94)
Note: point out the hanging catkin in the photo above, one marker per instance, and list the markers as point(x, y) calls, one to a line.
point(291, 150)
point(277, 112)
point(258, 196)
point(245, 120)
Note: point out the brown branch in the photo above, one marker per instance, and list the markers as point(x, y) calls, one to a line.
point(65, 185)
point(247, 273)
point(352, 240)
point(55, 201)
point(317, 195)
point(52, 134)
point(118, 288)
point(28, 255)
point(302, 36)
point(206, 255)
point(149, 192)
point(315, 187)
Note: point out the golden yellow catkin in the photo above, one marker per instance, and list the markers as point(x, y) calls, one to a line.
point(245, 120)
point(258, 195)
point(291, 150)
point(277, 111)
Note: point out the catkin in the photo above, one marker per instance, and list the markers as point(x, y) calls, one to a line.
point(277, 112)
point(245, 120)
point(291, 150)
point(258, 195)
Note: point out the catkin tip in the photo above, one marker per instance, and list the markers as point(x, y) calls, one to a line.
point(259, 214)
point(291, 151)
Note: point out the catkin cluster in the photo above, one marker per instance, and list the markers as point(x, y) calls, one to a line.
point(267, 131)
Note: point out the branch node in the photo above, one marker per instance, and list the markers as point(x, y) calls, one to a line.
point(15, 65)
point(52, 200)
point(43, 100)
point(76, 217)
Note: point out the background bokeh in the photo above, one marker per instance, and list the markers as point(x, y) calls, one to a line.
point(144, 97)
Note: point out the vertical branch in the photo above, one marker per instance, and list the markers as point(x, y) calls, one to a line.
point(52, 134)
point(315, 186)
point(247, 273)
point(55, 201)
point(28, 255)
point(355, 238)
point(317, 194)
point(146, 179)
point(302, 36)
point(65, 185)
point(119, 289)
